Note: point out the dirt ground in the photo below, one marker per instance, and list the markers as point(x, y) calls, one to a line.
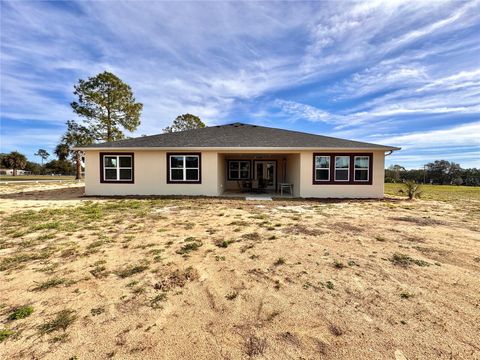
point(204, 278)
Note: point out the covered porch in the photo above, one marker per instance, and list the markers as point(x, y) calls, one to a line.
point(259, 174)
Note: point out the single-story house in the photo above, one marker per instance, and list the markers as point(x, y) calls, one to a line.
point(233, 158)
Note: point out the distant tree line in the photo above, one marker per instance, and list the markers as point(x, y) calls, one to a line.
point(18, 161)
point(441, 172)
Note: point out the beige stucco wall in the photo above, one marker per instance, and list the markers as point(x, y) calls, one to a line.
point(293, 173)
point(151, 176)
point(221, 174)
point(307, 189)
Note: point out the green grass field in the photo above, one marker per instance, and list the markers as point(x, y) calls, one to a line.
point(34, 177)
point(441, 192)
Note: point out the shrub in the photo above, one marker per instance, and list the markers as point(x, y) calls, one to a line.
point(279, 261)
point(411, 189)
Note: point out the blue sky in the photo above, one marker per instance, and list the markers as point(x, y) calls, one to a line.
point(394, 72)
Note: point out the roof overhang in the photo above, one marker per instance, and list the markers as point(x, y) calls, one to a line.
point(235, 149)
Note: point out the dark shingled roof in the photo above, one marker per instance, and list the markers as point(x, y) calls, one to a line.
point(238, 135)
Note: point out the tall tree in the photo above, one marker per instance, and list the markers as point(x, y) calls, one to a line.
point(185, 122)
point(77, 135)
point(442, 171)
point(62, 151)
point(14, 161)
point(43, 154)
point(108, 106)
point(394, 172)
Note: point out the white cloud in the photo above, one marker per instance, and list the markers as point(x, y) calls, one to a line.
point(298, 111)
point(465, 134)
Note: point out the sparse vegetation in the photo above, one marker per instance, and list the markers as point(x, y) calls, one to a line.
point(335, 330)
point(406, 295)
point(97, 311)
point(21, 312)
point(255, 346)
point(131, 270)
point(53, 282)
point(61, 321)
point(285, 267)
point(231, 295)
point(155, 302)
point(405, 260)
point(176, 278)
point(190, 246)
point(330, 285)
point(4, 334)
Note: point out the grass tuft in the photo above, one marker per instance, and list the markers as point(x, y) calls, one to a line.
point(192, 245)
point(54, 282)
point(131, 270)
point(4, 334)
point(404, 260)
point(21, 312)
point(62, 321)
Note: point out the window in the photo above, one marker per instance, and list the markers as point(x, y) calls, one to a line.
point(117, 167)
point(342, 168)
point(362, 168)
point(322, 168)
point(238, 170)
point(184, 168)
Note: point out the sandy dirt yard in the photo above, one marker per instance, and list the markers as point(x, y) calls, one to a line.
point(85, 278)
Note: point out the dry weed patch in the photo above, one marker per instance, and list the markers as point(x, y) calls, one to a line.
point(61, 321)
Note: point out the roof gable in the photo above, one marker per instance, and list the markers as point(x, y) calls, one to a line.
point(238, 135)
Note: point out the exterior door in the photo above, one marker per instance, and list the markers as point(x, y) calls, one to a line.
point(267, 171)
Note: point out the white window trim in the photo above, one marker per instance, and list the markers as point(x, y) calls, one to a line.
point(239, 171)
point(117, 168)
point(321, 168)
point(367, 168)
point(341, 169)
point(185, 168)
